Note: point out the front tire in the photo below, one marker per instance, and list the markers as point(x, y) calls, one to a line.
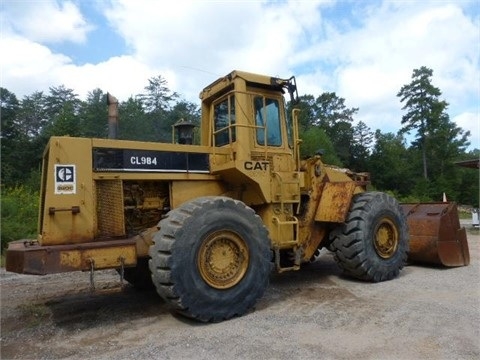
point(372, 244)
point(211, 258)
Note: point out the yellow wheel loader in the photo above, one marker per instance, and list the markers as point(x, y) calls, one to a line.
point(206, 224)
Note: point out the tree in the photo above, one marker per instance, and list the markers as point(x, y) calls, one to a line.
point(390, 164)
point(9, 109)
point(360, 147)
point(426, 114)
point(336, 119)
point(21, 152)
point(62, 106)
point(306, 116)
point(158, 101)
point(329, 112)
point(58, 98)
point(448, 142)
point(133, 123)
point(315, 140)
point(469, 182)
point(93, 115)
point(158, 97)
point(10, 135)
point(32, 116)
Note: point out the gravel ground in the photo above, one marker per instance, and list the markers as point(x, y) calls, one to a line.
point(426, 313)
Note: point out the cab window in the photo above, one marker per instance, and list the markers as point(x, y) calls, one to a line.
point(224, 121)
point(267, 118)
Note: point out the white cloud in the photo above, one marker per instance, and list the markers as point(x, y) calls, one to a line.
point(201, 41)
point(372, 61)
point(45, 21)
point(470, 121)
point(29, 66)
point(33, 67)
point(122, 76)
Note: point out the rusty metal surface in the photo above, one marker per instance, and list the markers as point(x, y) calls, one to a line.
point(335, 201)
point(26, 257)
point(473, 164)
point(435, 234)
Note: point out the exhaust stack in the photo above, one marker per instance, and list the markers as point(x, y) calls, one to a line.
point(112, 103)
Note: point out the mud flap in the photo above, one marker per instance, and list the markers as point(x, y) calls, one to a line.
point(435, 234)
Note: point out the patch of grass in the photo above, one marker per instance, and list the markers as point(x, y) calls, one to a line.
point(35, 314)
point(463, 214)
point(473, 230)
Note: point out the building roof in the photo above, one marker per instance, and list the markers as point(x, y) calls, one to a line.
point(474, 164)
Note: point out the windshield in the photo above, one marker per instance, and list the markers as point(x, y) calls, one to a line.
point(267, 118)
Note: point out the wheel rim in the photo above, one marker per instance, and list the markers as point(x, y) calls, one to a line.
point(386, 238)
point(223, 259)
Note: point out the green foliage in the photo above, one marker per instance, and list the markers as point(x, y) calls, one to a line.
point(360, 147)
point(315, 140)
point(469, 181)
point(390, 164)
point(34, 315)
point(437, 137)
point(93, 115)
point(133, 124)
point(32, 115)
point(9, 109)
point(19, 210)
point(329, 112)
point(157, 97)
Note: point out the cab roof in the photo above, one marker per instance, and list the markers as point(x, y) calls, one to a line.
point(264, 81)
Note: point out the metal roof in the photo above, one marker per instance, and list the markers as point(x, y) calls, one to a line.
point(474, 164)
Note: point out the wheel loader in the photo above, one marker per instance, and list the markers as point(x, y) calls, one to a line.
point(207, 224)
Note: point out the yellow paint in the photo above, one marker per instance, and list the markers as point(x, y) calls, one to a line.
point(103, 258)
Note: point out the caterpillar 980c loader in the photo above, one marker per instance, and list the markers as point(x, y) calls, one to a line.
point(206, 224)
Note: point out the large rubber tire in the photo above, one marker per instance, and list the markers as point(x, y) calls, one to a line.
point(139, 276)
point(372, 244)
point(211, 258)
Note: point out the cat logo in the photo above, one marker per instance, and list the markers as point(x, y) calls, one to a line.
point(65, 173)
point(256, 165)
point(65, 179)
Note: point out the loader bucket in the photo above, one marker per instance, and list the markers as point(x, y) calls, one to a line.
point(435, 234)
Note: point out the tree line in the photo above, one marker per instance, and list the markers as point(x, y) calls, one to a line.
point(421, 170)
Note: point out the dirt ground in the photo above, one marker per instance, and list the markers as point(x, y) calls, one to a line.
point(426, 313)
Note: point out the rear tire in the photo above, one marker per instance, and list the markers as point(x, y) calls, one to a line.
point(372, 244)
point(211, 258)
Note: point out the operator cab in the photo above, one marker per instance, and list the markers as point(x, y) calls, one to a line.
point(245, 123)
point(248, 103)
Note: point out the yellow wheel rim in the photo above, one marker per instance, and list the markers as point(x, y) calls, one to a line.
point(386, 239)
point(223, 259)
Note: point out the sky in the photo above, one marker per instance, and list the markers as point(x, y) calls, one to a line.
point(364, 51)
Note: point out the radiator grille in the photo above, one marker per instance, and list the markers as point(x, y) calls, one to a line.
point(110, 215)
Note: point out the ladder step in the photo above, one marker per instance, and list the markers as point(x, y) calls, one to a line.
point(288, 222)
point(279, 223)
point(282, 196)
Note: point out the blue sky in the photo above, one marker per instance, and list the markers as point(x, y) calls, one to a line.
point(362, 50)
